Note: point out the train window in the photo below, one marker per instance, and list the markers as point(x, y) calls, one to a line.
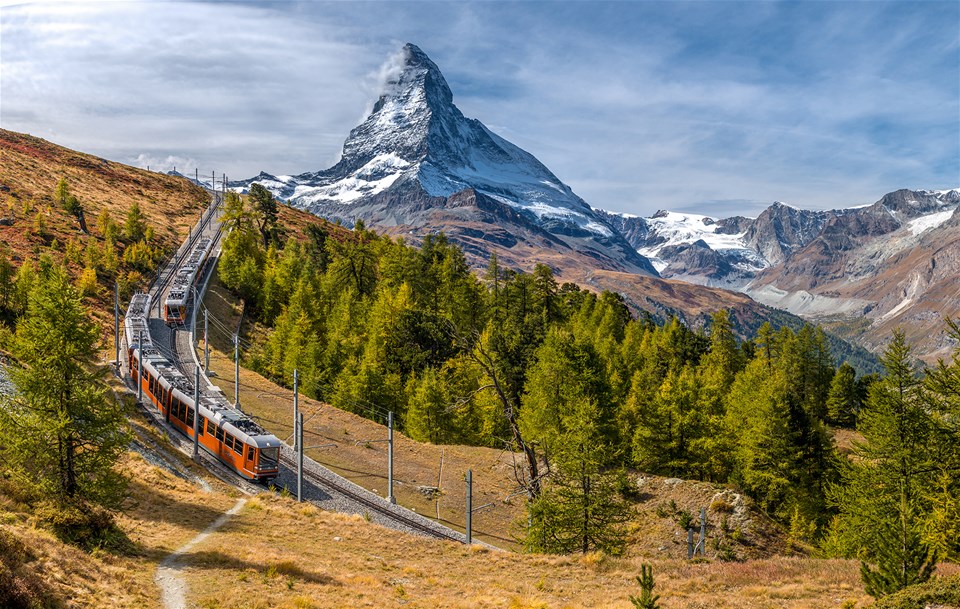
point(250, 453)
point(238, 447)
point(189, 418)
point(269, 457)
point(219, 434)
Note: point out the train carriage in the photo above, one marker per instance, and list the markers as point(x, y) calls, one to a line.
point(175, 304)
point(230, 435)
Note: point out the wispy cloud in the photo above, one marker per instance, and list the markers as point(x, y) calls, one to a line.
point(638, 106)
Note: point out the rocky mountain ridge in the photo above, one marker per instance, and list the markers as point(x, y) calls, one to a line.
point(416, 162)
point(416, 165)
point(864, 269)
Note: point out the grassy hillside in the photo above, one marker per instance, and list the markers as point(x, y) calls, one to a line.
point(277, 553)
point(30, 169)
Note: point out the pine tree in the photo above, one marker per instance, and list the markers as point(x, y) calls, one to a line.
point(428, 409)
point(62, 429)
point(567, 410)
point(265, 207)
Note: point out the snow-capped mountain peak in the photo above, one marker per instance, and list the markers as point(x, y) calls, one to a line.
point(416, 143)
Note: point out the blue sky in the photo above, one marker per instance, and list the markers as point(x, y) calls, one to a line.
point(713, 107)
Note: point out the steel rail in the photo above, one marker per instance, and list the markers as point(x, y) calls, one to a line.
point(374, 504)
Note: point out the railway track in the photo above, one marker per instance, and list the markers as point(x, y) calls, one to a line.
point(322, 487)
point(409, 521)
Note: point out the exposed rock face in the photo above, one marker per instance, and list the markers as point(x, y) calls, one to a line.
point(417, 162)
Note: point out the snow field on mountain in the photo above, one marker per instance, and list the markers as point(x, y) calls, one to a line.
point(925, 223)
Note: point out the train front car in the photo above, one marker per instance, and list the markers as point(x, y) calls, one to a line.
point(242, 443)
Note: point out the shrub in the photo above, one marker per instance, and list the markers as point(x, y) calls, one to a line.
point(87, 283)
point(937, 591)
point(83, 525)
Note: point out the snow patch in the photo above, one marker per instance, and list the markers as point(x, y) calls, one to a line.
point(672, 228)
point(925, 223)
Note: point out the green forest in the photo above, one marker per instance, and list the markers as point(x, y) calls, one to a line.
point(583, 390)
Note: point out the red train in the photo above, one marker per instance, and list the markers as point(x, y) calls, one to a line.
point(230, 435)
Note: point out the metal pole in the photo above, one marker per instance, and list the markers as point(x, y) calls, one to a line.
point(300, 456)
point(139, 366)
point(469, 506)
point(206, 343)
point(196, 415)
point(236, 370)
point(296, 406)
point(390, 496)
point(116, 322)
point(703, 531)
point(689, 543)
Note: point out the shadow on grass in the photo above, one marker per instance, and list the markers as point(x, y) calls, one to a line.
point(213, 559)
point(146, 503)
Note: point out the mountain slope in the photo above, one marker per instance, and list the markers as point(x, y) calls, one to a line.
point(863, 270)
point(416, 163)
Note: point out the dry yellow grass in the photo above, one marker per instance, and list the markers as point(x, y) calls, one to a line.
point(162, 511)
point(281, 554)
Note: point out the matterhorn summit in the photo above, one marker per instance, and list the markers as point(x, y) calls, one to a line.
point(416, 165)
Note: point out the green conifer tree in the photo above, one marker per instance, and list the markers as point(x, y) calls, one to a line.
point(884, 494)
point(62, 429)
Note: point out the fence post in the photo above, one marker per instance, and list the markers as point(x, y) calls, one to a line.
point(196, 414)
point(140, 366)
point(300, 457)
point(236, 371)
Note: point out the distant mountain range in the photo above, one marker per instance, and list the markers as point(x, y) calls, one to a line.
point(417, 166)
point(863, 270)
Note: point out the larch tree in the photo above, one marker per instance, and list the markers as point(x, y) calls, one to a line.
point(884, 495)
point(843, 402)
point(567, 410)
point(62, 428)
point(266, 211)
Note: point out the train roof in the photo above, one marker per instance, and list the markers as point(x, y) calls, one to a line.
point(183, 280)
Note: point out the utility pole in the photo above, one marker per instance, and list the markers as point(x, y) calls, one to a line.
point(469, 506)
point(196, 415)
point(236, 371)
point(197, 178)
point(299, 456)
point(139, 366)
point(116, 323)
point(206, 342)
point(296, 407)
point(390, 496)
